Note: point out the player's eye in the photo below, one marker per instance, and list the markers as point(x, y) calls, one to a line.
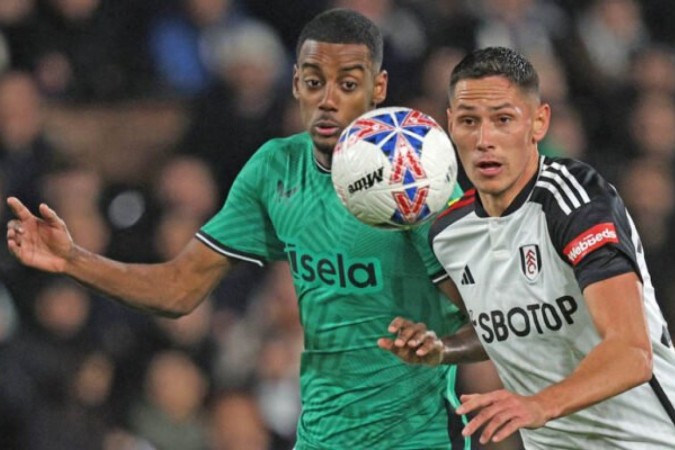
point(505, 120)
point(312, 83)
point(349, 85)
point(467, 121)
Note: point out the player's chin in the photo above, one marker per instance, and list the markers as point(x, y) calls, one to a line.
point(324, 145)
point(488, 184)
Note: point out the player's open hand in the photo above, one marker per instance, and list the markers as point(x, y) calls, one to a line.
point(414, 343)
point(501, 413)
point(40, 242)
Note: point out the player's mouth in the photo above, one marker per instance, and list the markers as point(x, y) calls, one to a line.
point(327, 128)
point(488, 168)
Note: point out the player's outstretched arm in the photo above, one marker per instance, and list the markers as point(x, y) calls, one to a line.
point(172, 288)
point(415, 344)
point(621, 361)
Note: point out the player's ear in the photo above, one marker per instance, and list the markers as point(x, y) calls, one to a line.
point(380, 88)
point(541, 122)
point(448, 112)
point(296, 80)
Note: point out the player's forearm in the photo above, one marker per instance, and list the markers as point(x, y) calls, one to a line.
point(463, 347)
point(608, 370)
point(155, 288)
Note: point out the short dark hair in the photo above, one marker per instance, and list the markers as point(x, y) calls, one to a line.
point(496, 61)
point(343, 26)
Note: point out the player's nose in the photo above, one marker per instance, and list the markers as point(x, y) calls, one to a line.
point(329, 99)
point(484, 136)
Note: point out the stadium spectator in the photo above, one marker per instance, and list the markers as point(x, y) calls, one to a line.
point(192, 335)
point(54, 403)
point(567, 135)
point(236, 423)
point(185, 185)
point(25, 152)
point(181, 42)
point(449, 23)
point(649, 193)
point(611, 32)
point(17, 21)
point(77, 52)
point(530, 26)
point(652, 69)
point(241, 108)
point(432, 91)
point(406, 42)
point(11, 407)
point(171, 413)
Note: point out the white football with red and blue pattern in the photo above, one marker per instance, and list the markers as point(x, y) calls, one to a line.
point(394, 167)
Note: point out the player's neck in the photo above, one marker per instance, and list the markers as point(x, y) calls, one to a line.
point(496, 204)
point(323, 159)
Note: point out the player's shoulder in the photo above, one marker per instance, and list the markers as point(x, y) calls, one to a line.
point(284, 146)
point(456, 210)
point(278, 154)
point(567, 184)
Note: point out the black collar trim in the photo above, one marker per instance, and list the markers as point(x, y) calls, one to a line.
point(517, 202)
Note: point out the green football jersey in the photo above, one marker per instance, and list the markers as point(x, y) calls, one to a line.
point(351, 280)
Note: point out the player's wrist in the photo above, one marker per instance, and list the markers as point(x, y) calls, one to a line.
point(550, 408)
point(462, 348)
point(74, 259)
point(449, 354)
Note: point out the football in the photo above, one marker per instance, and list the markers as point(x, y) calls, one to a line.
point(394, 167)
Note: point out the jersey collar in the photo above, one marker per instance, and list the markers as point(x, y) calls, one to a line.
point(517, 202)
point(321, 167)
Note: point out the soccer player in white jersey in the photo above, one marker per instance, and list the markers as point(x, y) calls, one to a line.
point(550, 268)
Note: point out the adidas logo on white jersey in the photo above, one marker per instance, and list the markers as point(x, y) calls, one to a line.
point(467, 277)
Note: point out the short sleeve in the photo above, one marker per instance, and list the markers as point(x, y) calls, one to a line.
point(588, 222)
point(242, 228)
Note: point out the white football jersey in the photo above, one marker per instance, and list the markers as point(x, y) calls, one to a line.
point(521, 276)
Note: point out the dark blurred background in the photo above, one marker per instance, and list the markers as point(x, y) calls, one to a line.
point(132, 118)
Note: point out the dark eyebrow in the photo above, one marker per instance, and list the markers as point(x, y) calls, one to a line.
point(502, 106)
point(317, 67)
point(307, 65)
point(360, 67)
point(494, 108)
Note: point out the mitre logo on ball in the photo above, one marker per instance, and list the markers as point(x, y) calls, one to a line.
point(394, 167)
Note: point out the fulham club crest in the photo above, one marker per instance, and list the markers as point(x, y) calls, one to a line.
point(530, 261)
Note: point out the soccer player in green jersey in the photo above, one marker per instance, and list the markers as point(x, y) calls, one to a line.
point(350, 279)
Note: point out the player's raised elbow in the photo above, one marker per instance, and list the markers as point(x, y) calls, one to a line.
point(182, 305)
point(644, 364)
point(176, 300)
point(187, 281)
point(639, 362)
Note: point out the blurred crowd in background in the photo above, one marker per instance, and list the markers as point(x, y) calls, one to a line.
point(132, 118)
